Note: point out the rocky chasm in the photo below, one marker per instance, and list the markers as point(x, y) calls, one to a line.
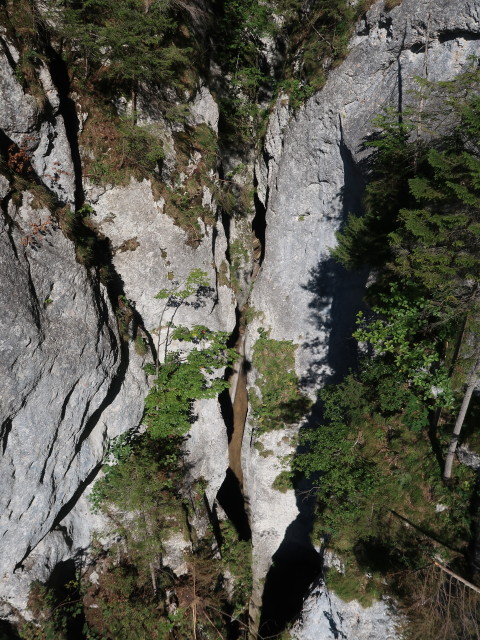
point(70, 384)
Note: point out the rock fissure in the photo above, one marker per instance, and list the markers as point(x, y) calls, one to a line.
point(68, 111)
point(4, 433)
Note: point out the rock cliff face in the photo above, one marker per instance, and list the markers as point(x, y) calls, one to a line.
point(66, 381)
point(69, 384)
point(312, 177)
point(326, 616)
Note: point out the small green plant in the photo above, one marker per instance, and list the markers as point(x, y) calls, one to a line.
point(260, 447)
point(196, 285)
point(120, 149)
point(182, 378)
point(141, 346)
point(237, 558)
point(355, 584)
point(284, 481)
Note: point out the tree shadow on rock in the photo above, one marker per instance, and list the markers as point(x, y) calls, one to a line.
point(295, 565)
point(336, 298)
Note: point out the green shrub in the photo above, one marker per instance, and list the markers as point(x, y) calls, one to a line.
point(281, 402)
point(283, 482)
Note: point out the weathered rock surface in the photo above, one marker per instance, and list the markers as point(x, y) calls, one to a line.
point(67, 387)
point(326, 617)
point(312, 177)
point(37, 129)
point(60, 370)
point(151, 253)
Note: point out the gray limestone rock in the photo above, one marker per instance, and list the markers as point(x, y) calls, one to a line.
point(311, 178)
point(326, 617)
point(152, 253)
point(19, 111)
point(204, 108)
point(38, 131)
point(467, 457)
point(61, 369)
point(67, 386)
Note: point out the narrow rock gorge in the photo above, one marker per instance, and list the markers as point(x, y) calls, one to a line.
point(126, 215)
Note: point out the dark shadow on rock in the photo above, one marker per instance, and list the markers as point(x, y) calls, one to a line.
point(60, 76)
point(7, 631)
point(226, 409)
point(336, 297)
point(230, 498)
point(295, 565)
point(337, 294)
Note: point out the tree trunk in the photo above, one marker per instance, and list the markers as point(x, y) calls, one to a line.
point(447, 473)
point(134, 103)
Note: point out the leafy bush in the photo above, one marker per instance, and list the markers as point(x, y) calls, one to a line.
point(184, 378)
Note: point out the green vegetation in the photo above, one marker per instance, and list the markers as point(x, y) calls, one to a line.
point(281, 402)
point(185, 377)
point(404, 328)
point(122, 41)
point(59, 609)
point(185, 200)
point(317, 37)
point(120, 149)
point(23, 26)
point(377, 459)
point(237, 559)
point(284, 481)
point(143, 493)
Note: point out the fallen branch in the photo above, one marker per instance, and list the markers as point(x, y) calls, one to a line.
point(457, 577)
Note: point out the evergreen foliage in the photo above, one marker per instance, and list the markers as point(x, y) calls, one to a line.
point(144, 493)
point(377, 455)
point(403, 329)
point(124, 41)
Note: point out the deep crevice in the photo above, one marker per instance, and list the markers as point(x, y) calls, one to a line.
point(456, 34)
point(259, 224)
point(5, 432)
point(8, 631)
point(61, 80)
point(226, 409)
point(60, 583)
point(295, 565)
point(386, 22)
point(231, 499)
